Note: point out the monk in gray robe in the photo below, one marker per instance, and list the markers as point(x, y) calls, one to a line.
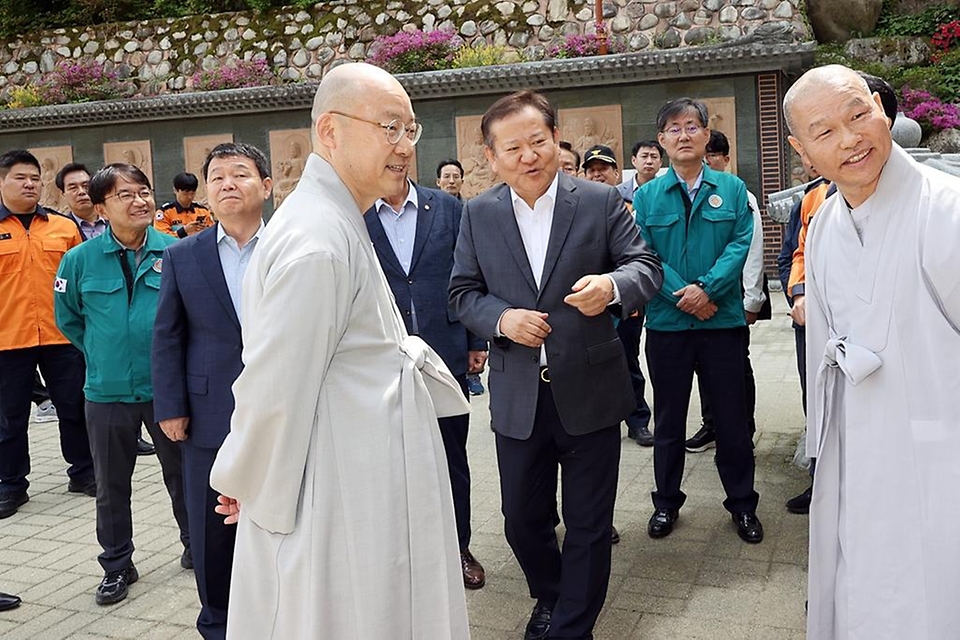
point(883, 366)
point(334, 466)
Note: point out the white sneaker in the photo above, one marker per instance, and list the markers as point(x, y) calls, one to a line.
point(46, 412)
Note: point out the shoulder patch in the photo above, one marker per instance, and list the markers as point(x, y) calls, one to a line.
point(60, 285)
point(159, 215)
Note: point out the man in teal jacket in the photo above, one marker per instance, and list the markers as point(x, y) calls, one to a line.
point(698, 222)
point(105, 301)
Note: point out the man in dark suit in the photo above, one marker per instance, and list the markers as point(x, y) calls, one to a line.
point(196, 355)
point(414, 233)
point(538, 261)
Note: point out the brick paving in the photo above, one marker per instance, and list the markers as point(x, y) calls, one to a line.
point(700, 582)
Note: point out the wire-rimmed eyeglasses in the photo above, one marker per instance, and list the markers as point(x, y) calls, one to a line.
point(394, 129)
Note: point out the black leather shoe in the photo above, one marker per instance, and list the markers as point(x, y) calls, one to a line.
point(86, 487)
point(702, 440)
point(748, 526)
point(801, 503)
point(144, 448)
point(114, 586)
point(661, 522)
point(539, 625)
point(643, 437)
point(8, 602)
point(10, 502)
point(186, 559)
point(614, 535)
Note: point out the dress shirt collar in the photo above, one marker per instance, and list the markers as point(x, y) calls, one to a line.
point(221, 234)
point(550, 194)
point(411, 199)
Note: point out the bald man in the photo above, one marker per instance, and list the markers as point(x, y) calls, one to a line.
point(883, 345)
point(334, 466)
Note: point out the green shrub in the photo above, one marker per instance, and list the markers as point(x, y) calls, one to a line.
point(485, 55)
point(921, 24)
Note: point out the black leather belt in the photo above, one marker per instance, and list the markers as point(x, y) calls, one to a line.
point(545, 374)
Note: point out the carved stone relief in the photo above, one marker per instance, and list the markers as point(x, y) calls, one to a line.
point(135, 152)
point(195, 151)
point(723, 118)
point(477, 173)
point(586, 126)
point(52, 159)
point(289, 149)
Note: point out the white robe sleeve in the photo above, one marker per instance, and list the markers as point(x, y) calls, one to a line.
point(939, 254)
point(817, 335)
point(291, 330)
point(753, 296)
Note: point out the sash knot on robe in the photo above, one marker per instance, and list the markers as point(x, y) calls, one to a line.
point(444, 390)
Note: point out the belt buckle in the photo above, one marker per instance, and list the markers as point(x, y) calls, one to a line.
point(545, 374)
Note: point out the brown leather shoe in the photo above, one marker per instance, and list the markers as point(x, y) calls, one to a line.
point(473, 574)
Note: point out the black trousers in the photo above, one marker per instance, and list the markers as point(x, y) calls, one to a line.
point(211, 541)
point(575, 580)
point(63, 368)
point(113, 429)
point(454, 431)
point(749, 387)
point(39, 395)
point(629, 332)
point(717, 356)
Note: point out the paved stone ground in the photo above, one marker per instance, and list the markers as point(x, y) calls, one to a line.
point(700, 582)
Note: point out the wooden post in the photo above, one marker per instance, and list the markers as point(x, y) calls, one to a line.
point(598, 18)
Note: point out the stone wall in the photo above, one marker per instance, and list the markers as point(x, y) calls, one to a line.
point(160, 56)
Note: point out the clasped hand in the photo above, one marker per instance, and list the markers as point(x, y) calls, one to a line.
point(696, 302)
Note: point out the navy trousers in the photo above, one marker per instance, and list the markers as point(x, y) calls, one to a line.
point(454, 431)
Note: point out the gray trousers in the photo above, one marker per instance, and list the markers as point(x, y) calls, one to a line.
point(113, 429)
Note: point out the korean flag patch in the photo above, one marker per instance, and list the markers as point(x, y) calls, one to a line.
point(158, 265)
point(159, 215)
point(60, 285)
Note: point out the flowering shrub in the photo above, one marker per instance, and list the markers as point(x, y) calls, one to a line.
point(82, 81)
point(483, 56)
point(929, 111)
point(22, 97)
point(242, 73)
point(415, 51)
point(946, 36)
point(577, 46)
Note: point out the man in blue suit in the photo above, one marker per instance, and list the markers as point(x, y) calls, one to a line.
point(196, 354)
point(414, 233)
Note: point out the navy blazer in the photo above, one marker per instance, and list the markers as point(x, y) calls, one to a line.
point(438, 223)
point(196, 341)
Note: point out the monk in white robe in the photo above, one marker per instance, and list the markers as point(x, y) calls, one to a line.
point(883, 362)
point(346, 525)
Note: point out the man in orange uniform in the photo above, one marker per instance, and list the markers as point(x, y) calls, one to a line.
point(182, 217)
point(32, 242)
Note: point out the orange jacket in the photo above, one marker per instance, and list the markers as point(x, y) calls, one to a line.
point(28, 266)
point(811, 202)
point(171, 218)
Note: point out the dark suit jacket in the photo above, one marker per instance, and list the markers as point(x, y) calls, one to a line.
point(592, 233)
point(196, 341)
point(438, 222)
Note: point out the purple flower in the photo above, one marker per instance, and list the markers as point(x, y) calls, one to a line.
point(417, 50)
point(242, 73)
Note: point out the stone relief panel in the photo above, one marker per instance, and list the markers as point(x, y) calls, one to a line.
point(195, 151)
point(478, 176)
point(586, 126)
point(289, 149)
point(135, 152)
point(52, 159)
point(723, 118)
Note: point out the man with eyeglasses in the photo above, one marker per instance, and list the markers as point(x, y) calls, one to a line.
point(699, 223)
point(32, 243)
point(334, 469)
point(106, 295)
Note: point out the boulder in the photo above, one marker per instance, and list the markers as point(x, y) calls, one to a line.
point(946, 141)
point(838, 20)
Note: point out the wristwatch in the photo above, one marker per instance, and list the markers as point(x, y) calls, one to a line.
point(700, 284)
